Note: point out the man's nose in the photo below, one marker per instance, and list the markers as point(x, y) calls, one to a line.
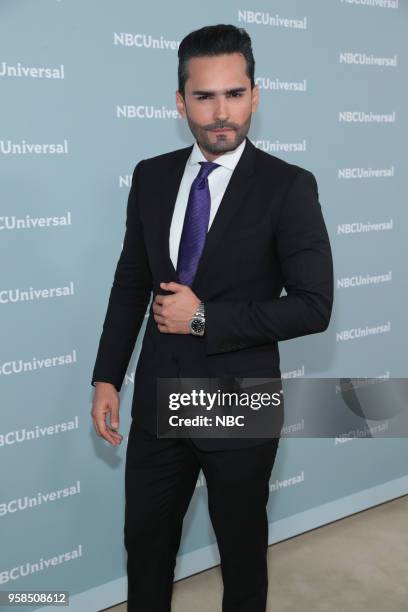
point(221, 109)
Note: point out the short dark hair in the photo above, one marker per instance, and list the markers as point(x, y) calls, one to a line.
point(215, 40)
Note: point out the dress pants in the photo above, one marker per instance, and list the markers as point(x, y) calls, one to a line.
point(160, 479)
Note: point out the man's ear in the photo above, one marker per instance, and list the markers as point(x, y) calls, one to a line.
point(255, 98)
point(181, 107)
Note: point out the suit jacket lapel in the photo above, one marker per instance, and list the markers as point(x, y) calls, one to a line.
point(170, 183)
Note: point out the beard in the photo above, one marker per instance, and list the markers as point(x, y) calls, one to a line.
point(223, 142)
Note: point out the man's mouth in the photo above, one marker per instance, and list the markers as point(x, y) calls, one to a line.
point(221, 130)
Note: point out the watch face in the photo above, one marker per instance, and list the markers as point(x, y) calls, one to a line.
point(197, 326)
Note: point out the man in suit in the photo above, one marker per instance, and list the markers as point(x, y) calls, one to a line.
point(214, 232)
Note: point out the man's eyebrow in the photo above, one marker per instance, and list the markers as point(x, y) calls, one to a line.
point(203, 92)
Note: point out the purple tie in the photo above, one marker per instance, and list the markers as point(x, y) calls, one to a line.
point(195, 225)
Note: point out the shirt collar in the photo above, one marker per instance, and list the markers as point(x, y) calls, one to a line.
point(228, 160)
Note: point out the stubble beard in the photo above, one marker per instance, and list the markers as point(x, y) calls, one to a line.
point(223, 143)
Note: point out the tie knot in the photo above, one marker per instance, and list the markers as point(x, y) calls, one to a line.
point(206, 168)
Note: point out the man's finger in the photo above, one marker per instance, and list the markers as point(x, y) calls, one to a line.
point(172, 286)
point(102, 430)
point(114, 417)
point(98, 433)
point(105, 433)
point(157, 308)
point(160, 319)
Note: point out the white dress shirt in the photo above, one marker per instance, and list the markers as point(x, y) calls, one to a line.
point(217, 183)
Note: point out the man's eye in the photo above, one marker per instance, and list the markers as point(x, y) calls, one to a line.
point(205, 97)
point(236, 94)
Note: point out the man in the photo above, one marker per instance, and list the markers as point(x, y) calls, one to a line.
point(214, 231)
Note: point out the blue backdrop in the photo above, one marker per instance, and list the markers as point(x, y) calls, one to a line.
point(87, 90)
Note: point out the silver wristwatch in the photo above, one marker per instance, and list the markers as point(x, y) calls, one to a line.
point(197, 323)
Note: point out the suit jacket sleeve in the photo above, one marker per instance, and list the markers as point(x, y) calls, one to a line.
point(128, 300)
point(304, 253)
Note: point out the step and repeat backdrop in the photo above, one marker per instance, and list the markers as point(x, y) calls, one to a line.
point(88, 90)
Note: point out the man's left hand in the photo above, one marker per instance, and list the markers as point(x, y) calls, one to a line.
point(172, 313)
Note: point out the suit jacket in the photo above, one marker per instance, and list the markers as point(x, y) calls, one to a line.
point(268, 234)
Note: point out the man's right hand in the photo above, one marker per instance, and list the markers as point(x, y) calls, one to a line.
point(106, 401)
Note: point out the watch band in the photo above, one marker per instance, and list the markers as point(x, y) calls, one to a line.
point(200, 311)
point(197, 322)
